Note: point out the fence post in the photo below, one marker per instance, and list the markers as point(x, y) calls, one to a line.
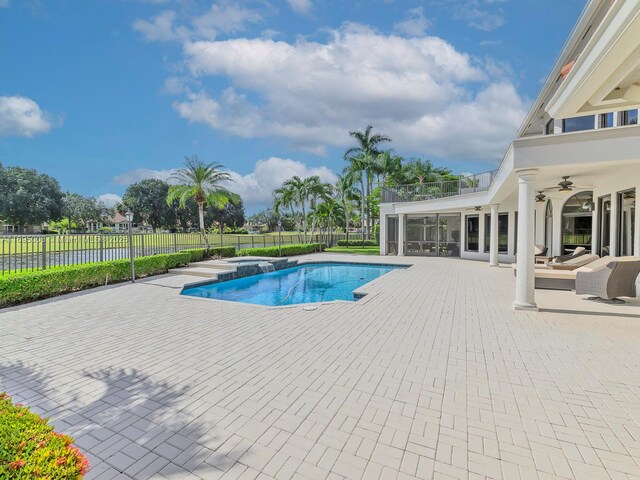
point(238, 239)
point(44, 252)
point(142, 243)
point(175, 243)
point(101, 247)
point(252, 245)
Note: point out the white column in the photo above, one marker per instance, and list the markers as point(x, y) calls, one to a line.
point(493, 241)
point(383, 234)
point(636, 243)
point(402, 226)
point(525, 279)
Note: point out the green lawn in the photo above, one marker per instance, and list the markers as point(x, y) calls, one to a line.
point(356, 250)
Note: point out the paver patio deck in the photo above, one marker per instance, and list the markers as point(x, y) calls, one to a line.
point(432, 375)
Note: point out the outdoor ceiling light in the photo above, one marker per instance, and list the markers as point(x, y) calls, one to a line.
point(540, 197)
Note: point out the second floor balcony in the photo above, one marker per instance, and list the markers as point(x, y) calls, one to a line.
point(434, 190)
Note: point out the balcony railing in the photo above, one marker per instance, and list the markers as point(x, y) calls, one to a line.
point(434, 190)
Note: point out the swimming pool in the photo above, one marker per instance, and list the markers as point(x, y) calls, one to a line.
point(308, 283)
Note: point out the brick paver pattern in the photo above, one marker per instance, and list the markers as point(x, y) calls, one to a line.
point(432, 375)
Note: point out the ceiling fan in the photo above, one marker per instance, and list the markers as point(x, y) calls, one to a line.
point(477, 208)
point(565, 185)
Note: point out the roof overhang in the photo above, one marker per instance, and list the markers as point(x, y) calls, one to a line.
point(606, 75)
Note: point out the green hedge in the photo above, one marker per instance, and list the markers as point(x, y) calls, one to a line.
point(287, 250)
point(357, 243)
point(29, 286)
point(30, 449)
point(223, 252)
point(197, 254)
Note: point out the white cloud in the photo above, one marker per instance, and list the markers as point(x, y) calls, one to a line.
point(161, 28)
point(480, 14)
point(255, 188)
point(22, 117)
point(110, 199)
point(415, 24)
point(300, 6)
point(133, 176)
point(312, 93)
point(223, 17)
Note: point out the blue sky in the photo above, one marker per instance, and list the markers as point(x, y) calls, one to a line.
point(101, 93)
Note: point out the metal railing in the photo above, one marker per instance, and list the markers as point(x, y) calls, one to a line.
point(20, 253)
point(434, 190)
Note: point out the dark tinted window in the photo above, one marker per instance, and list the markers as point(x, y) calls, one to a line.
point(578, 123)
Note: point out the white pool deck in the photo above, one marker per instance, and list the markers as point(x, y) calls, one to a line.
point(432, 375)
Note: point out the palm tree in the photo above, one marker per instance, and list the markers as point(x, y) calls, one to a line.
point(200, 181)
point(316, 190)
point(300, 195)
point(347, 193)
point(283, 198)
point(388, 166)
point(330, 210)
point(368, 149)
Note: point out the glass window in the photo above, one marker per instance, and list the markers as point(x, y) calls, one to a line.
point(626, 222)
point(630, 117)
point(392, 235)
point(503, 232)
point(422, 235)
point(577, 222)
point(549, 127)
point(606, 120)
point(577, 124)
point(473, 233)
point(449, 235)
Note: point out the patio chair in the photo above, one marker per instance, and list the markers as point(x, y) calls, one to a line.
point(576, 253)
point(574, 262)
point(609, 279)
point(540, 250)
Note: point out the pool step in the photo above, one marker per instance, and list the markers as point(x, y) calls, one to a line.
point(204, 272)
point(214, 264)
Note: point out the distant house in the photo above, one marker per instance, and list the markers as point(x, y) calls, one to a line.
point(6, 229)
point(118, 224)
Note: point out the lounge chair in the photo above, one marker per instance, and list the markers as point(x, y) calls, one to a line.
point(610, 279)
point(574, 262)
point(540, 250)
point(576, 253)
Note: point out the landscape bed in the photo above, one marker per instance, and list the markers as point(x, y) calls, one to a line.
point(306, 283)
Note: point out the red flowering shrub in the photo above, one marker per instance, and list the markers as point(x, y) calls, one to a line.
point(30, 449)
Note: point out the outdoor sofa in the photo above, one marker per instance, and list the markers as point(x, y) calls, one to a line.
point(609, 278)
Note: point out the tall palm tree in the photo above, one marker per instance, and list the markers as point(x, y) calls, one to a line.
point(346, 193)
point(300, 195)
point(388, 165)
point(200, 181)
point(330, 210)
point(316, 191)
point(285, 198)
point(368, 148)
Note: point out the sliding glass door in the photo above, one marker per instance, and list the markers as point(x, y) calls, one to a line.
point(433, 235)
point(604, 232)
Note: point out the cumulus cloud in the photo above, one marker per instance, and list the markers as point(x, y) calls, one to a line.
point(110, 199)
point(223, 17)
point(22, 117)
point(415, 24)
point(160, 28)
point(300, 6)
point(312, 93)
point(255, 188)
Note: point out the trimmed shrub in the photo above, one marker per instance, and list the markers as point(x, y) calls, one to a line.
point(287, 250)
point(177, 259)
point(29, 447)
point(222, 252)
point(25, 287)
point(357, 243)
point(197, 254)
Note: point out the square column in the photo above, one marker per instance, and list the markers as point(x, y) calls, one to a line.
point(525, 260)
point(493, 239)
point(402, 226)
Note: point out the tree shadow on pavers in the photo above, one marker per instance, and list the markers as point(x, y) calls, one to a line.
point(126, 419)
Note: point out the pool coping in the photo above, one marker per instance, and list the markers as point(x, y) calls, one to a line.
point(361, 295)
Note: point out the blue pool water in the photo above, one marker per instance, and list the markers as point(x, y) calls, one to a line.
point(320, 282)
